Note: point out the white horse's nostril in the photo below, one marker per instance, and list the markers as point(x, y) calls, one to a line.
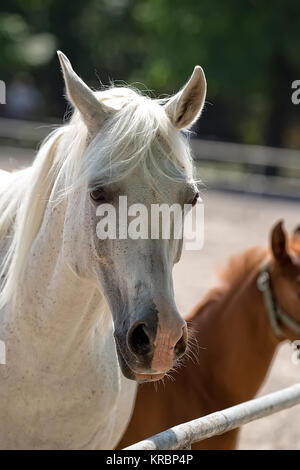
point(181, 345)
point(139, 340)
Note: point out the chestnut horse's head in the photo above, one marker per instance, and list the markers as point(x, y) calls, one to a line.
point(284, 271)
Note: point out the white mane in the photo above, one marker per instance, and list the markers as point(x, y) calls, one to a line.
point(138, 132)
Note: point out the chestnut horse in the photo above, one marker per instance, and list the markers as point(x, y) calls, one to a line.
point(238, 327)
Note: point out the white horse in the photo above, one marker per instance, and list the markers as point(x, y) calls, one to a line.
point(83, 319)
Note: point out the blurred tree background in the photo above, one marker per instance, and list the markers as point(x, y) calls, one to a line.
point(250, 52)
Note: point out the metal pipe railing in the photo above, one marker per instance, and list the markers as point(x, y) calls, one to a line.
point(183, 435)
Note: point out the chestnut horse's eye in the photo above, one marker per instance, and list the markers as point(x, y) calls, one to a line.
point(195, 199)
point(97, 195)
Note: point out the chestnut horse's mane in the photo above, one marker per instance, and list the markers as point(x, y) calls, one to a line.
point(241, 264)
point(236, 270)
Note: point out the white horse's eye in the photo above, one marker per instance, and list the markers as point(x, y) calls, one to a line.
point(97, 195)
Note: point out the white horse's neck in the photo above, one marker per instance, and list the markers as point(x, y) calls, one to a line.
point(53, 302)
point(61, 357)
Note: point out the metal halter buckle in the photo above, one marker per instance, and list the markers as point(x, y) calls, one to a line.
point(277, 315)
point(263, 281)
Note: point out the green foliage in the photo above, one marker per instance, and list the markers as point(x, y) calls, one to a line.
point(250, 51)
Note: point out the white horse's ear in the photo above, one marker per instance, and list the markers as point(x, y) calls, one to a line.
point(185, 107)
point(82, 97)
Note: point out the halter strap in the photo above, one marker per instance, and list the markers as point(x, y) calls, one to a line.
point(276, 314)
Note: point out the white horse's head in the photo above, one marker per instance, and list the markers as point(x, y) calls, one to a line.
point(134, 149)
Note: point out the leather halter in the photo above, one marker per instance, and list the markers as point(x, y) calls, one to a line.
point(276, 314)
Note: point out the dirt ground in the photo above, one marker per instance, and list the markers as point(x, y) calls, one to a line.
point(234, 222)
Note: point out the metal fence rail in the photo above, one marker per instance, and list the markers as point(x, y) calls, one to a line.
point(248, 168)
point(222, 165)
point(183, 435)
point(25, 132)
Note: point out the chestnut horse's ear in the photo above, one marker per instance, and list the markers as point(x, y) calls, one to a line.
point(185, 107)
point(297, 231)
point(279, 244)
